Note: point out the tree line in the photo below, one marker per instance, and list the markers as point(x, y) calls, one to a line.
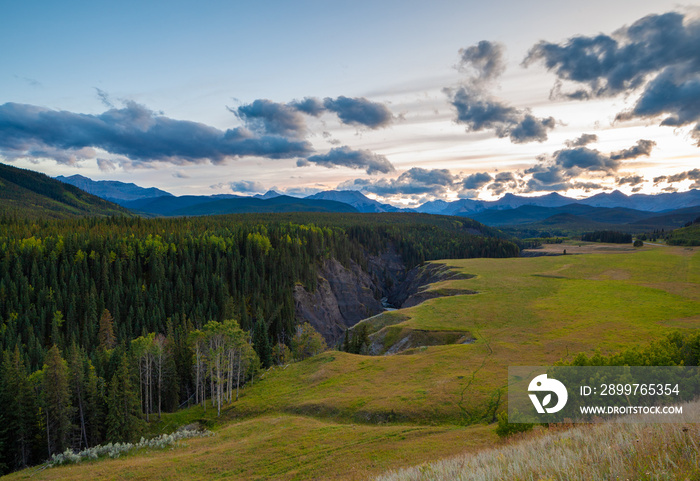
point(608, 236)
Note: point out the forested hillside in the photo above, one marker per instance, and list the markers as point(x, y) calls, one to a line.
point(689, 235)
point(104, 321)
point(25, 193)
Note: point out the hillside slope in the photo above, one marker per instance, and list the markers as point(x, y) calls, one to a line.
point(686, 236)
point(26, 193)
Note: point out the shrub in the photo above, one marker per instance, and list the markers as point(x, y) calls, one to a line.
point(505, 429)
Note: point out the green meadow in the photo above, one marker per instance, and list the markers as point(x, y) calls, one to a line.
point(346, 416)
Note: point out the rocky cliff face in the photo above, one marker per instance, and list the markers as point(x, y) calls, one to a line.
point(412, 291)
point(343, 297)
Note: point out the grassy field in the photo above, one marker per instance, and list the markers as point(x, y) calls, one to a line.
point(345, 416)
point(639, 451)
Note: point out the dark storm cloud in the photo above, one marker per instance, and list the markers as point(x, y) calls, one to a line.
point(643, 147)
point(479, 111)
point(134, 132)
point(270, 117)
point(477, 180)
point(582, 141)
point(355, 159)
point(359, 111)
point(415, 181)
point(659, 54)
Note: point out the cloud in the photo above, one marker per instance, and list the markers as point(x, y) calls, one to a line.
point(355, 159)
point(630, 179)
point(504, 177)
point(242, 186)
point(582, 141)
point(658, 54)
point(359, 111)
point(270, 117)
point(104, 98)
point(556, 171)
point(477, 180)
point(484, 59)
point(415, 181)
point(301, 191)
point(310, 106)
point(266, 116)
point(106, 165)
point(674, 95)
point(503, 182)
point(688, 175)
point(693, 175)
point(609, 64)
point(479, 111)
point(583, 158)
point(29, 81)
point(643, 147)
point(134, 132)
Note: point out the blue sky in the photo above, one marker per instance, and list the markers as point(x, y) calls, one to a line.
point(183, 78)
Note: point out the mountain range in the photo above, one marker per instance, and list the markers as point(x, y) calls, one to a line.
point(112, 190)
point(606, 210)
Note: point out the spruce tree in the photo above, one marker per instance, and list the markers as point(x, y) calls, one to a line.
point(123, 412)
point(57, 402)
point(106, 334)
point(261, 343)
point(19, 406)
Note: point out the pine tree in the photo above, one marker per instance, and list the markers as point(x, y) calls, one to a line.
point(94, 405)
point(123, 413)
point(106, 334)
point(19, 406)
point(261, 343)
point(57, 402)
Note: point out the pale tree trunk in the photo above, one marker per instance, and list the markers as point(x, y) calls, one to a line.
point(238, 379)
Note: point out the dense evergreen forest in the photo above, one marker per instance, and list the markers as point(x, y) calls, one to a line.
point(106, 322)
point(610, 236)
point(688, 235)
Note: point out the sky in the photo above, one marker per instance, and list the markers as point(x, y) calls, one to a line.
point(405, 101)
